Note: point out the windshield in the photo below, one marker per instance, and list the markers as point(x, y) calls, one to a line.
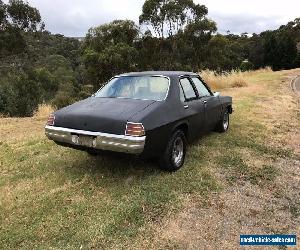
point(136, 87)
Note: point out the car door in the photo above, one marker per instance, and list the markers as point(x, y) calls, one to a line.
point(211, 103)
point(193, 106)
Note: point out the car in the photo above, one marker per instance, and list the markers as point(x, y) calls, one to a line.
point(150, 114)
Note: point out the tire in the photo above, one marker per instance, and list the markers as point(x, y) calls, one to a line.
point(223, 124)
point(174, 155)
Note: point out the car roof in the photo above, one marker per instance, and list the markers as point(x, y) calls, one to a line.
point(163, 73)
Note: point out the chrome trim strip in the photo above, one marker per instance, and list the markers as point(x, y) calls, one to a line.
point(84, 132)
point(103, 141)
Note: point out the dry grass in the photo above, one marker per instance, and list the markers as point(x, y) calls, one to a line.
point(233, 79)
point(217, 81)
point(43, 111)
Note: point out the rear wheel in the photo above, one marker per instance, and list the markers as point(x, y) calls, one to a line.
point(174, 155)
point(223, 124)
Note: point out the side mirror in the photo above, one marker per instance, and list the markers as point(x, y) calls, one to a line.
point(216, 94)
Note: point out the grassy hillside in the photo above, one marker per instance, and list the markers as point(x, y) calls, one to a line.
point(244, 181)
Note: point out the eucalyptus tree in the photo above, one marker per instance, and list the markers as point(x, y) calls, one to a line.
point(181, 30)
point(109, 49)
point(17, 16)
point(168, 17)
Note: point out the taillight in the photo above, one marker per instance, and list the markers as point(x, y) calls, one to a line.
point(135, 129)
point(50, 121)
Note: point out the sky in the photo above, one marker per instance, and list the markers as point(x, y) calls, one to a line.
point(74, 17)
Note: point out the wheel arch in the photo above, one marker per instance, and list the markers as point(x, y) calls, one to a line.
point(184, 126)
point(229, 108)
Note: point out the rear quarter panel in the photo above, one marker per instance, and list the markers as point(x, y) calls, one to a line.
point(160, 119)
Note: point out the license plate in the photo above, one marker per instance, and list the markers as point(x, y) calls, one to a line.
point(86, 141)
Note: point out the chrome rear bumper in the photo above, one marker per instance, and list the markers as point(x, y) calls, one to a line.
point(103, 141)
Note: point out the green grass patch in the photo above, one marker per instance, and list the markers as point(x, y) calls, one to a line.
point(264, 174)
point(61, 197)
point(236, 169)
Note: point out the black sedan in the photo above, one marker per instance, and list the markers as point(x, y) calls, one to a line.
point(152, 114)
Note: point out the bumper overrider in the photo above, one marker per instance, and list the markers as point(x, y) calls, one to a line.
point(103, 141)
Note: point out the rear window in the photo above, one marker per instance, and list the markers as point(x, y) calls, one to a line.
point(136, 87)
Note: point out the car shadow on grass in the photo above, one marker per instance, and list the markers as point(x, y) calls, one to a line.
point(122, 166)
point(117, 166)
point(118, 174)
point(122, 161)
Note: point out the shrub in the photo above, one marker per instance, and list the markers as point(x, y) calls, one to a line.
point(62, 99)
point(64, 96)
point(297, 61)
point(43, 110)
point(238, 82)
point(86, 91)
point(246, 66)
point(19, 95)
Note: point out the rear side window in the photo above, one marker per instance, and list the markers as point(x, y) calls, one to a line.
point(188, 89)
point(202, 90)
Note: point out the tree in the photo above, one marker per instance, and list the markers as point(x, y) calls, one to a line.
point(279, 49)
point(109, 49)
point(196, 37)
point(47, 84)
point(217, 58)
point(16, 16)
point(297, 61)
point(41, 44)
point(182, 32)
point(64, 96)
point(118, 31)
point(287, 51)
point(20, 95)
point(271, 56)
point(256, 52)
point(171, 16)
point(246, 66)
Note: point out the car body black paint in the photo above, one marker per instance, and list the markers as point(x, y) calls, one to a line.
point(159, 118)
point(108, 115)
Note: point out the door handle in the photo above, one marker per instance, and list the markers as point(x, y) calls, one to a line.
point(204, 102)
point(186, 106)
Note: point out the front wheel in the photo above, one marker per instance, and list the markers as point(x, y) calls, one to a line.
point(223, 124)
point(174, 155)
